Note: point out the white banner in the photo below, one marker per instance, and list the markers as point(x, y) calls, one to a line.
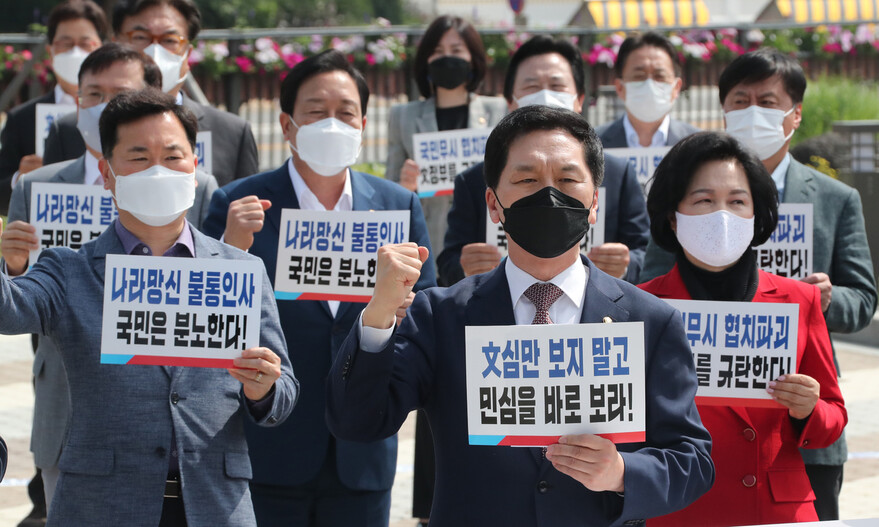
point(204, 152)
point(789, 251)
point(46, 115)
point(643, 160)
point(443, 155)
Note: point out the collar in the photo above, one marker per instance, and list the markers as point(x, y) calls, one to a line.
point(92, 173)
point(179, 97)
point(307, 199)
point(62, 97)
point(660, 138)
point(133, 246)
point(780, 173)
point(572, 281)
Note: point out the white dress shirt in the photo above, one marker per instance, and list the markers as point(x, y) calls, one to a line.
point(779, 175)
point(660, 137)
point(62, 97)
point(92, 174)
point(308, 201)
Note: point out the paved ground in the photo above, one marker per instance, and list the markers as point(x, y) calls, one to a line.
point(860, 386)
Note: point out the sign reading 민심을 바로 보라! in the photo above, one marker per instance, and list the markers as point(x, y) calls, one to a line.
point(528, 385)
point(738, 347)
point(166, 311)
point(442, 155)
point(69, 215)
point(331, 255)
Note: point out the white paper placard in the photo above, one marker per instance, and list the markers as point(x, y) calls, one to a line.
point(442, 155)
point(46, 115)
point(528, 385)
point(331, 255)
point(789, 251)
point(204, 152)
point(644, 161)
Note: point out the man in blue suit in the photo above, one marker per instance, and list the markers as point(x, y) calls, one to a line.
point(543, 164)
point(148, 445)
point(302, 474)
point(549, 72)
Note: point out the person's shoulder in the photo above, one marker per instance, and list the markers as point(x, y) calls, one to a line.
point(405, 110)
point(222, 117)
point(224, 251)
point(797, 291)
point(47, 173)
point(29, 108)
point(605, 128)
point(249, 185)
point(824, 183)
point(493, 103)
point(389, 190)
point(683, 127)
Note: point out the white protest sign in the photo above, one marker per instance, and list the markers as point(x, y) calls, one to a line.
point(738, 347)
point(788, 252)
point(529, 385)
point(165, 311)
point(496, 236)
point(69, 215)
point(204, 152)
point(643, 160)
point(442, 155)
point(46, 115)
point(331, 255)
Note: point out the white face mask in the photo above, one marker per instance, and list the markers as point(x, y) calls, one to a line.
point(760, 129)
point(66, 65)
point(559, 99)
point(87, 123)
point(327, 146)
point(717, 239)
point(649, 101)
point(169, 64)
point(155, 196)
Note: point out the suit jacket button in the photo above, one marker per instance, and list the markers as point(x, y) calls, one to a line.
point(175, 398)
point(543, 487)
point(749, 434)
point(749, 481)
point(272, 420)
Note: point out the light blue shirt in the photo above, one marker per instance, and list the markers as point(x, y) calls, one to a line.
point(660, 138)
point(779, 174)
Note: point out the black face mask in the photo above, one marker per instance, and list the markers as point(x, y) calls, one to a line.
point(449, 72)
point(547, 223)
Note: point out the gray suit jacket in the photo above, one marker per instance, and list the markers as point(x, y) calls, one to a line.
point(840, 250)
point(51, 403)
point(613, 134)
point(115, 459)
point(419, 117)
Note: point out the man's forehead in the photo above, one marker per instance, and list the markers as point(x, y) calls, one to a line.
point(120, 73)
point(162, 128)
point(553, 62)
point(160, 18)
point(329, 85)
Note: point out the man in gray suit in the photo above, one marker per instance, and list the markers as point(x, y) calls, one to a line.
point(648, 81)
point(762, 94)
point(148, 445)
point(111, 69)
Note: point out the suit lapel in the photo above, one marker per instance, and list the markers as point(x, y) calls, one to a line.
point(602, 295)
point(426, 121)
point(74, 172)
point(195, 108)
point(362, 194)
point(280, 187)
point(799, 184)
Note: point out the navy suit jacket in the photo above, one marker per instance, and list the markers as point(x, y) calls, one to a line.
point(626, 219)
point(613, 134)
point(293, 453)
point(17, 141)
point(423, 366)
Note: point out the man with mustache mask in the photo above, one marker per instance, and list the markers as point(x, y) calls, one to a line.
point(75, 29)
point(302, 475)
point(547, 72)
point(543, 166)
point(762, 94)
point(648, 82)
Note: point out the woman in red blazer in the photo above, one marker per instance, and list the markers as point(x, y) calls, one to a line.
point(711, 200)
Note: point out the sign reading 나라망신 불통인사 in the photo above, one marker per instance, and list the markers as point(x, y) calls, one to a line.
point(528, 385)
point(442, 155)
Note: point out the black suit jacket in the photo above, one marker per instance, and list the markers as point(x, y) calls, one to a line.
point(17, 141)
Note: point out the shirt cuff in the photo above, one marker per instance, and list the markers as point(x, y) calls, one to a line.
point(373, 340)
point(260, 409)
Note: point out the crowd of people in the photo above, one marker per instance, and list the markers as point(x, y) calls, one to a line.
point(302, 429)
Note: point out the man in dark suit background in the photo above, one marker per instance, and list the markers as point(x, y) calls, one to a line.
point(75, 28)
point(648, 82)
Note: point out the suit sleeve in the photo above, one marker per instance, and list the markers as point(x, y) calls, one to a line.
point(210, 184)
point(463, 229)
point(853, 301)
point(634, 225)
point(19, 208)
point(214, 224)
point(54, 148)
point(657, 262)
point(418, 234)
point(396, 150)
point(35, 301)
point(13, 144)
point(248, 156)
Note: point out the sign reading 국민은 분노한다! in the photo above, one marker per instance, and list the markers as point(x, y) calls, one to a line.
point(69, 215)
point(165, 311)
point(331, 255)
point(643, 160)
point(528, 385)
point(496, 235)
point(442, 155)
point(788, 252)
point(738, 347)
point(46, 114)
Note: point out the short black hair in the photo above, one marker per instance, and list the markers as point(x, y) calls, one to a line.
point(433, 34)
point(759, 65)
point(544, 45)
point(113, 52)
point(637, 41)
point(133, 106)
point(323, 62)
point(676, 170)
point(533, 118)
point(76, 9)
point(126, 8)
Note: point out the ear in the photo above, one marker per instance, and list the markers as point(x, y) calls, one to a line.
point(494, 208)
point(798, 115)
point(673, 222)
point(620, 88)
point(593, 208)
point(286, 124)
point(363, 124)
point(104, 169)
point(578, 103)
point(678, 84)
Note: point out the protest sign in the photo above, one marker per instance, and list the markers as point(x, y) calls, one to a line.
point(442, 155)
point(204, 152)
point(643, 160)
point(46, 115)
point(788, 252)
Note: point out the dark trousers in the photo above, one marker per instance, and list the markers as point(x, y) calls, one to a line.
point(173, 514)
point(424, 468)
point(826, 483)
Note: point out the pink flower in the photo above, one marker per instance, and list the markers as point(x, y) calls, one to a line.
point(26, 54)
point(9, 50)
point(370, 59)
point(292, 59)
point(733, 46)
point(244, 64)
point(834, 47)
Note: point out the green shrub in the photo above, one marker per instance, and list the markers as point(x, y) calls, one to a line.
point(830, 99)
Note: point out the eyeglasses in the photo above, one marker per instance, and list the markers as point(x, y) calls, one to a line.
point(173, 42)
point(63, 45)
point(93, 98)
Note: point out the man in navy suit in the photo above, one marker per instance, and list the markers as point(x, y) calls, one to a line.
point(303, 475)
point(549, 72)
point(544, 164)
point(648, 82)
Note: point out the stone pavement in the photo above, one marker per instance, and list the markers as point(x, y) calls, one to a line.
point(860, 387)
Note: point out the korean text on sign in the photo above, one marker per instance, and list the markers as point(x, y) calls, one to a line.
point(331, 255)
point(46, 114)
point(738, 347)
point(180, 311)
point(643, 160)
point(528, 385)
point(495, 234)
point(69, 215)
point(788, 252)
point(442, 155)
